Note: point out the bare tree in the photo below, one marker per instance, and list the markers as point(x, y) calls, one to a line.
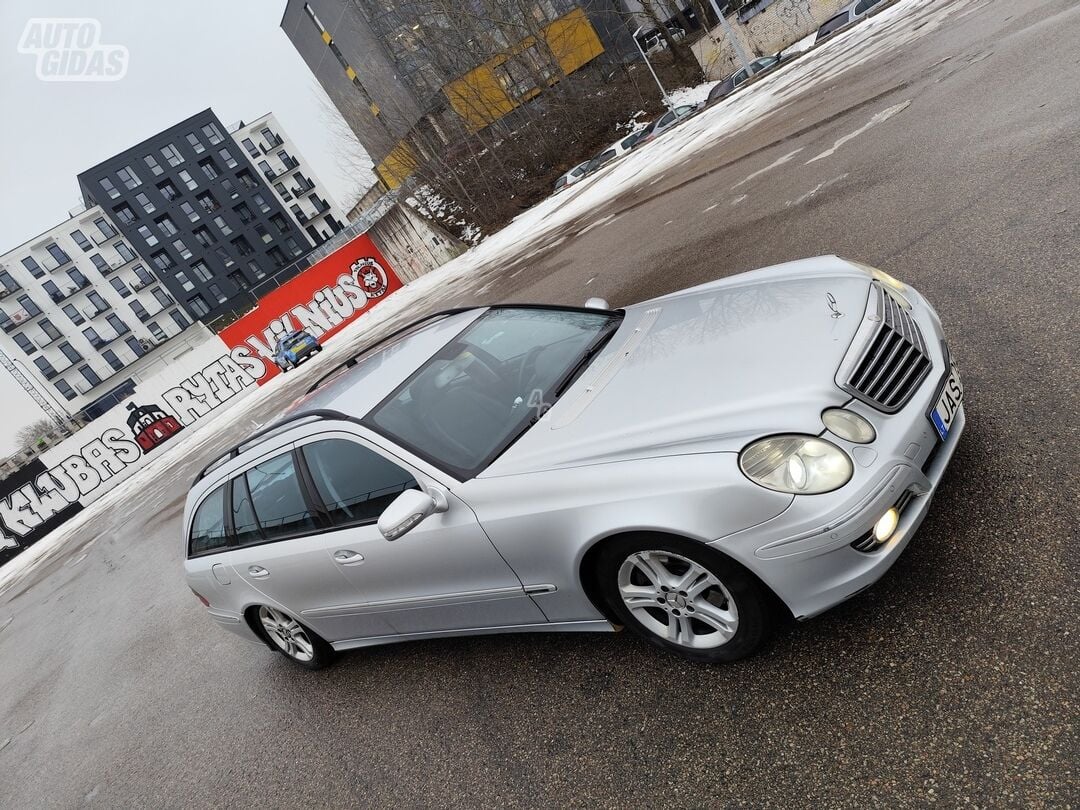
point(30, 435)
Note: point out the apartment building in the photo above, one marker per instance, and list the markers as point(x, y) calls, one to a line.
point(193, 202)
point(404, 75)
point(82, 315)
point(290, 177)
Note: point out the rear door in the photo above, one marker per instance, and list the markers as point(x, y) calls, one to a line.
point(284, 552)
point(443, 575)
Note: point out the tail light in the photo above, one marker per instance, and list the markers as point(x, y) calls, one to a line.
point(201, 598)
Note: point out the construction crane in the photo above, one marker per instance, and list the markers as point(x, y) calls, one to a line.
point(27, 386)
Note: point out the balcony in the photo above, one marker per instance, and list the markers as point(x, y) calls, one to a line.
point(321, 205)
point(301, 217)
point(142, 285)
point(270, 174)
point(19, 317)
point(51, 263)
point(272, 142)
point(290, 163)
point(44, 340)
point(6, 291)
point(304, 187)
point(92, 312)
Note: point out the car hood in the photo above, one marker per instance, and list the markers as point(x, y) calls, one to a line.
point(705, 370)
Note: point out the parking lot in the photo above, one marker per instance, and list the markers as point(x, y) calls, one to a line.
point(953, 680)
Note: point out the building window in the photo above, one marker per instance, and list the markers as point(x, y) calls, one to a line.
point(185, 283)
point(69, 352)
point(172, 155)
point(294, 247)
point(276, 256)
point(264, 167)
point(182, 249)
point(147, 235)
point(144, 201)
point(246, 180)
point(8, 284)
point(223, 254)
point(162, 297)
point(124, 213)
point(45, 367)
point(99, 262)
point(227, 186)
point(203, 236)
point(256, 271)
point(168, 190)
point(128, 178)
point(50, 288)
point(90, 375)
point(81, 240)
point(230, 161)
point(136, 347)
point(263, 233)
point(107, 230)
point(58, 254)
point(73, 314)
point(180, 319)
point(284, 192)
point(189, 209)
point(208, 203)
point(112, 360)
point(31, 264)
point(243, 246)
point(27, 303)
point(48, 328)
point(117, 323)
point(153, 165)
point(100, 304)
point(212, 133)
point(161, 260)
point(166, 226)
point(126, 253)
point(25, 343)
point(252, 149)
point(156, 330)
point(239, 280)
point(198, 306)
point(215, 291)
point(109, 187)
point(201, 271)
point(189, 181)
point(78, 279)
point(209, 168)
point(139, 310)
point(260, 201)
point(223, 226)
point(280, 223)
point(195, 143)
point(66, 391)
point(143, 275)
point(244, 213)
point(121, 287)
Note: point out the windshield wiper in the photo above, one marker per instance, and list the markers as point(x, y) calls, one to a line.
point(594, 349)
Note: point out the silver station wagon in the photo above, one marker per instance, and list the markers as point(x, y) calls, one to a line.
point(694, 468)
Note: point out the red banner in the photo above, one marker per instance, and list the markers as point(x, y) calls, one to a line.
point(323, 300)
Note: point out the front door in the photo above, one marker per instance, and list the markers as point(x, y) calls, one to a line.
point(443, 575)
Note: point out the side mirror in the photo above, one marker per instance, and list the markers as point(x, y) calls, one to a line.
point(597, 303)
point(408, 510)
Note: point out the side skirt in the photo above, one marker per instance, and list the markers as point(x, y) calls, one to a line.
point(560, 627)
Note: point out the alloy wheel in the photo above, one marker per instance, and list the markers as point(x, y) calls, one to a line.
point(287, 633)
point(678, 599)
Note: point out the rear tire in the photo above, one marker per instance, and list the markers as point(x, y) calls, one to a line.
point(685, 597)
point(298, 643)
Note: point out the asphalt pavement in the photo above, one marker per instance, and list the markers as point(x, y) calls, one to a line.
point(951, 681)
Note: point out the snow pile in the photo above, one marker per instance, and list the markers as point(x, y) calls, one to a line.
point(691, 95)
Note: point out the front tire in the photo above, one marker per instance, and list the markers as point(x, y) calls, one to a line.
point(685, 597)
point(296, 642)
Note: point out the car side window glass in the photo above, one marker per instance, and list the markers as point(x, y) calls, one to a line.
point(208, 525)
point(278, 499)
point(245, 524)
point(355, 483)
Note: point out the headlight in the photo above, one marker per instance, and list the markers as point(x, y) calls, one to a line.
point(800, 465)
point(848, 425)
point(897, 287)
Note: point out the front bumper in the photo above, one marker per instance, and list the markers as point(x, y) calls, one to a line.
point(805, 554)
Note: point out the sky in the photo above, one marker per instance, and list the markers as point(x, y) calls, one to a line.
point(184, 56)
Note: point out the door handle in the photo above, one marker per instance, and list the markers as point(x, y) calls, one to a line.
point(346, 556)
point(257, 572)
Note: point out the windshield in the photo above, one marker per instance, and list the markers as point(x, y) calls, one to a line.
point(469, 402)
point(831, 25)
point(295, 340)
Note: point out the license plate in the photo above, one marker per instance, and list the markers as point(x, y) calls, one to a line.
point(948, 404)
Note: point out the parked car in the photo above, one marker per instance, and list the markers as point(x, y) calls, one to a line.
point(652, 41)
point(848, 15)
point(729, 85)
point(683, 467)
point(617, 149)
point(294, 348)
point(571, 176)
point(666, 122)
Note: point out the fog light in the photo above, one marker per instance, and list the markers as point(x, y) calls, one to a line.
point(886, 525)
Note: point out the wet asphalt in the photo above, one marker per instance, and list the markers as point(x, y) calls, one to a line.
point(951, 681)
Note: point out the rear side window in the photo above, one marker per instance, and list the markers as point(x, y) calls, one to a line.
point(832, 24)
point(208, 525)
point(354, 483)
point(277, 498)
point(245, 524)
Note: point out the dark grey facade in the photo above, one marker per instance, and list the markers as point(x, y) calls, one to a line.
point(191, 201)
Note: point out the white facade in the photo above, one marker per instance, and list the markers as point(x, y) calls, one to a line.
point(290, 177)
point(81, 313)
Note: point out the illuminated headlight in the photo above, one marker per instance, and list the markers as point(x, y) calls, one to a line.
point(848, 425)
point(895, 286)
point(799, 465)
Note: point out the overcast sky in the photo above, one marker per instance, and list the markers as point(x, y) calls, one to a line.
point(185, 55)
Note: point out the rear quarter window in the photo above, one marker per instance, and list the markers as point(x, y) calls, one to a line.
point(208, 525)
point(831, 25)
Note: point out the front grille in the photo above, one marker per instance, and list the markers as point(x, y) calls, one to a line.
point(894, 362)
point(868, 542)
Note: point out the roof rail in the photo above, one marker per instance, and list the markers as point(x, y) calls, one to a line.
point(236, 450)
point(352, 361)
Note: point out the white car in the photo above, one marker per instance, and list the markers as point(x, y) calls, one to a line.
point(848, 15)
point(571, 177)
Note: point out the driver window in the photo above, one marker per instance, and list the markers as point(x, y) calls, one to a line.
point(355, 484)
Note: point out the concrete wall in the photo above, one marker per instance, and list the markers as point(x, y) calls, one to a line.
point(413, 245)
point(780, 24)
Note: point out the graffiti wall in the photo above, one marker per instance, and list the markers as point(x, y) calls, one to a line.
point(323, 300)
